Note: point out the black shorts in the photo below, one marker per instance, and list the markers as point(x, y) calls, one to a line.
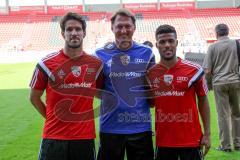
point(138, 146)
point(168, 153)
point(51, 149)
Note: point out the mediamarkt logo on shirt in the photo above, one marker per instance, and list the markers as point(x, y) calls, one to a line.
point(76, 85)
point(169, 93)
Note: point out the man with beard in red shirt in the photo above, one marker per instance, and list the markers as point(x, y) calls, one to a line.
point(68, 77)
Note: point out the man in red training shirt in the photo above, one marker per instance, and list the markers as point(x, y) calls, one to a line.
point(175, 84)
point(68, 77)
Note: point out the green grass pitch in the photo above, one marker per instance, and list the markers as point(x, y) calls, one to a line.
point(21, 125)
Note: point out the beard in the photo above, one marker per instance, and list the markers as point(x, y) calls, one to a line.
point(74, 45)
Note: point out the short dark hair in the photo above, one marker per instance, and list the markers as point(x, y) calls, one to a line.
point(123, 12)
point(221, 29)
point(148, 43)
point(165, 28)
point(72, 16)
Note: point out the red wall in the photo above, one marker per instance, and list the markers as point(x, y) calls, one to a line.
point(177, 5)
point(141, 7)
point(64, 9)
point(26, 10)
point(21, 10)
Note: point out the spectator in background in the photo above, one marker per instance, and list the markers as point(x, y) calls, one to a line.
point(148, 43)
point(68, 77)
point(176, 83)
point(221, 68)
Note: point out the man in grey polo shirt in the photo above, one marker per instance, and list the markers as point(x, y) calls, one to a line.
point(221, 68)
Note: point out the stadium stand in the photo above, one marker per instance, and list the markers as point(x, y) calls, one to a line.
point(206, 19)
point(42, 32)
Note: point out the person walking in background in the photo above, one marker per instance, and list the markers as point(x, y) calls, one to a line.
point(221, 68)
point(68, 77)
point(127, 125)
point(175, 83)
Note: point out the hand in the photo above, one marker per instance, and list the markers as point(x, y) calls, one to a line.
point(206, 142)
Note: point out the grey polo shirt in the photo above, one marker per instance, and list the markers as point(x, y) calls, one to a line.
point(222, 60)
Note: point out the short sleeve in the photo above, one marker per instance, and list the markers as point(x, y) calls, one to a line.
point(152, 61)
point(207, 63)
point(201, 87)
point(39, 79)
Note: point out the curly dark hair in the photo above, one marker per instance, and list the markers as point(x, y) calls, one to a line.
point(165, 28)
